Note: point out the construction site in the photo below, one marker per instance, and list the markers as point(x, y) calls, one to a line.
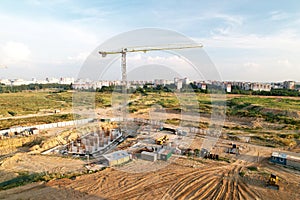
point(134, 156)
point(166, 163)
point(149, 159)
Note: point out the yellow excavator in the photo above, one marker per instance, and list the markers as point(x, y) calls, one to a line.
point(162, 140)
point(273, 182)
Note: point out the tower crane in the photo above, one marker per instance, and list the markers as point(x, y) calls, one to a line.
point(126, 50)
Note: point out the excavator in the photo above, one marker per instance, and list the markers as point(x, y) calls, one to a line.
point(162, 140)
point(273, 182)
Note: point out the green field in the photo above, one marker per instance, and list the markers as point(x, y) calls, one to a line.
point(24, 103)
point(278, 117)
point(29, 121)
point(282, 103)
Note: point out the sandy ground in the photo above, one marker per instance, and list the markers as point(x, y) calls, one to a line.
point(39, 163)
point(179, 178)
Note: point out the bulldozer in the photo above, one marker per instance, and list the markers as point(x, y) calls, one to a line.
point(273, 182)
point(162, 140)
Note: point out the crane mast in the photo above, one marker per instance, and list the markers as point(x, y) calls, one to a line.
point(124, 73)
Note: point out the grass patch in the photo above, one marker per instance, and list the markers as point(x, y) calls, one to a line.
point(24, 103)
point(224, 159)
point(252, 168)
point(22, 179)
point(26, 178)
point(29, 121)
point(242, 173)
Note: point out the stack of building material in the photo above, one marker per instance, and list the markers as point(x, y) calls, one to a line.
point(150, 156)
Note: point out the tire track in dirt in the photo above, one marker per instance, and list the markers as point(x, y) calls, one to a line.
point(210, 185)
point(224, 186)
point(208, 194)
point(144, 189)
point(222, 191)
point(202, 191)
point(247, 192)
point(192, 187)
point(181, 184)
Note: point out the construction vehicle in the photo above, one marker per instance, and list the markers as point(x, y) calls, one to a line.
point(273, 182)
point(233, 150)
point(162, 140)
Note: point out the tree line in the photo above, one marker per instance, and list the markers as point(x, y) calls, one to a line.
point(33, 86)
point(150, 88)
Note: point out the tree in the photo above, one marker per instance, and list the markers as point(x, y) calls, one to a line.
point(197, 152)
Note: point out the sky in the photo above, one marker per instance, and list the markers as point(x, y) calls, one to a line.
point(247, 40)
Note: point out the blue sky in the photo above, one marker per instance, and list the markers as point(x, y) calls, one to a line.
point(246, 39)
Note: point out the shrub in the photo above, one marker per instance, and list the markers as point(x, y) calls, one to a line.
point(12, 113)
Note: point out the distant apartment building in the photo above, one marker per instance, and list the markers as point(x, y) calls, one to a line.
point(18, 82)
point(290, 85)
point(185, 81)
point(224, 85)
point(228, 87)
point(178, 84)
point(162, 82)
point(52, 80)
point(246, 86)
point(260, 87)
point(5, 81)
point(201, 85)
point(277, 85)
point(66, 80)
point(253, 86)
point(297, 86)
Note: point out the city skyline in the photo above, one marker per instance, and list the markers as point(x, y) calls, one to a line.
point(246, 40)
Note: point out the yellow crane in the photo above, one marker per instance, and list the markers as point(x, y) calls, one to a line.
point(126, 50)
point(162, 140)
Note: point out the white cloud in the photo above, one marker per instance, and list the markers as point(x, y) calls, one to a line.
point(79, 57)
point(168, 60)
point(230, 19)
point(174, 63)
point(284, 62)
point(34, 2)
point(286, 40)
point(278, 15)
point(14, 52)
point(251, 64)
point(49, 46)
